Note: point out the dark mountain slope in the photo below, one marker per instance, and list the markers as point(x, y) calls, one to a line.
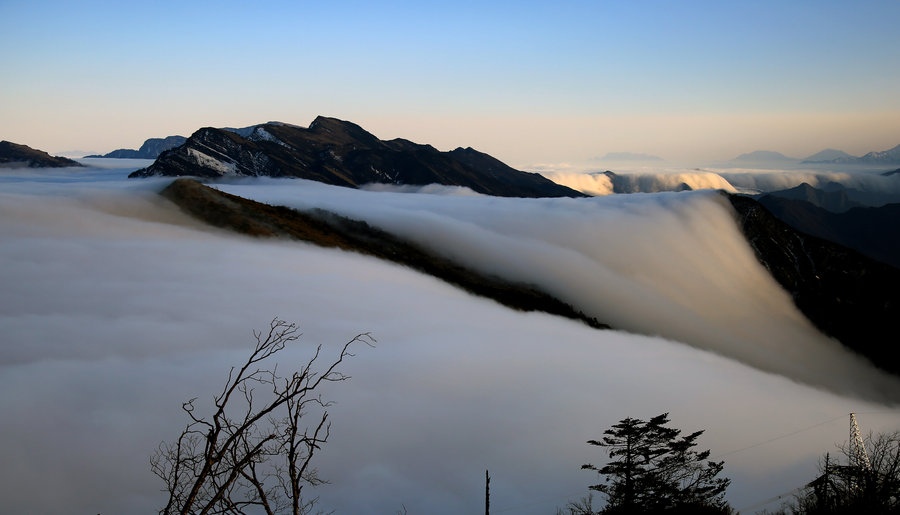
point(836, 200)
point(845, 294)
point(342, 153)
point(873, 231)
point(330, 230)
point(15, 155)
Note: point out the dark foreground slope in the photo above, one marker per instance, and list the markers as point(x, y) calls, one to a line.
point(331, 230)
point(844, 293)
point(15, 155)
point(343, 154)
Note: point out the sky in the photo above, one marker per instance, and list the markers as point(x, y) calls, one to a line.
point(116, 307)
point(532, 83)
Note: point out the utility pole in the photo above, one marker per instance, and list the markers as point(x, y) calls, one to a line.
point(487, 493)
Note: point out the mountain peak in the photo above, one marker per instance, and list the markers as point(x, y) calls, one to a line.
point(829, 154)
point(763, 155)
point(342, 130)
point(342, 153)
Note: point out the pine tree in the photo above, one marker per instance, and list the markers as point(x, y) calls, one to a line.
point(654, 469)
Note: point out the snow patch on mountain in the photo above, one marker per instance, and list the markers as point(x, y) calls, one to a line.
point(207, 161)
point(261, 134)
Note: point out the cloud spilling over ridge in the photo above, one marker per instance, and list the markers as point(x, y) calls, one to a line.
point(674, 265)
point(116, 308)
point(599, 183)
point(772, 180)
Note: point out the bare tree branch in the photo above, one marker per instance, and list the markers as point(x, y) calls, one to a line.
point(254, 451)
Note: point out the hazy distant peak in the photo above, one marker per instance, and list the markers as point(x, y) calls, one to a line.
point(829, 154)
point(150, 149)
point(891, 156)
point(629, 156)
point(885, 156)
point(763, 155)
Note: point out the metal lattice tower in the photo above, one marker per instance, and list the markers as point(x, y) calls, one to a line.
point(858, 455)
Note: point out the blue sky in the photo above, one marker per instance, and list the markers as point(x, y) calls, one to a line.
point(529, 82)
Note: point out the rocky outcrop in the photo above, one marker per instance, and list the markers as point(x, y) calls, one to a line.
point(343, 154)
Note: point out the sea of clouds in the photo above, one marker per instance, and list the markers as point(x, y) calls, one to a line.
point(115, 308)
point(878, 188)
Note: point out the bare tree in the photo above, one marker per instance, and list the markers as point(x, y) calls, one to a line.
point(583, 506)
point(852, 487)
point(254, 452)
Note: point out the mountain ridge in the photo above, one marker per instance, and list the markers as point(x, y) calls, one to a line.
point(342, 153)
point(150, 149)
point(872, 231)
point(886, 157)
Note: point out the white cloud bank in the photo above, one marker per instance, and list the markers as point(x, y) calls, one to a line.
point(746, 180)
point(600, 184)
point(115, 308)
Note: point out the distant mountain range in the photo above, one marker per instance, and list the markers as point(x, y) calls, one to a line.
point(829, 155)
point(151, 149)
point(886, 157)
point(13, 155)
point(342, 153)
point(628, 156)
point(760, 156)
point(834, 198)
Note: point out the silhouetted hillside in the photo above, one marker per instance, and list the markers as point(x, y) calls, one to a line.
point(15, 155)
point(343, 154)
point(836, 200)
point(873, 231)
